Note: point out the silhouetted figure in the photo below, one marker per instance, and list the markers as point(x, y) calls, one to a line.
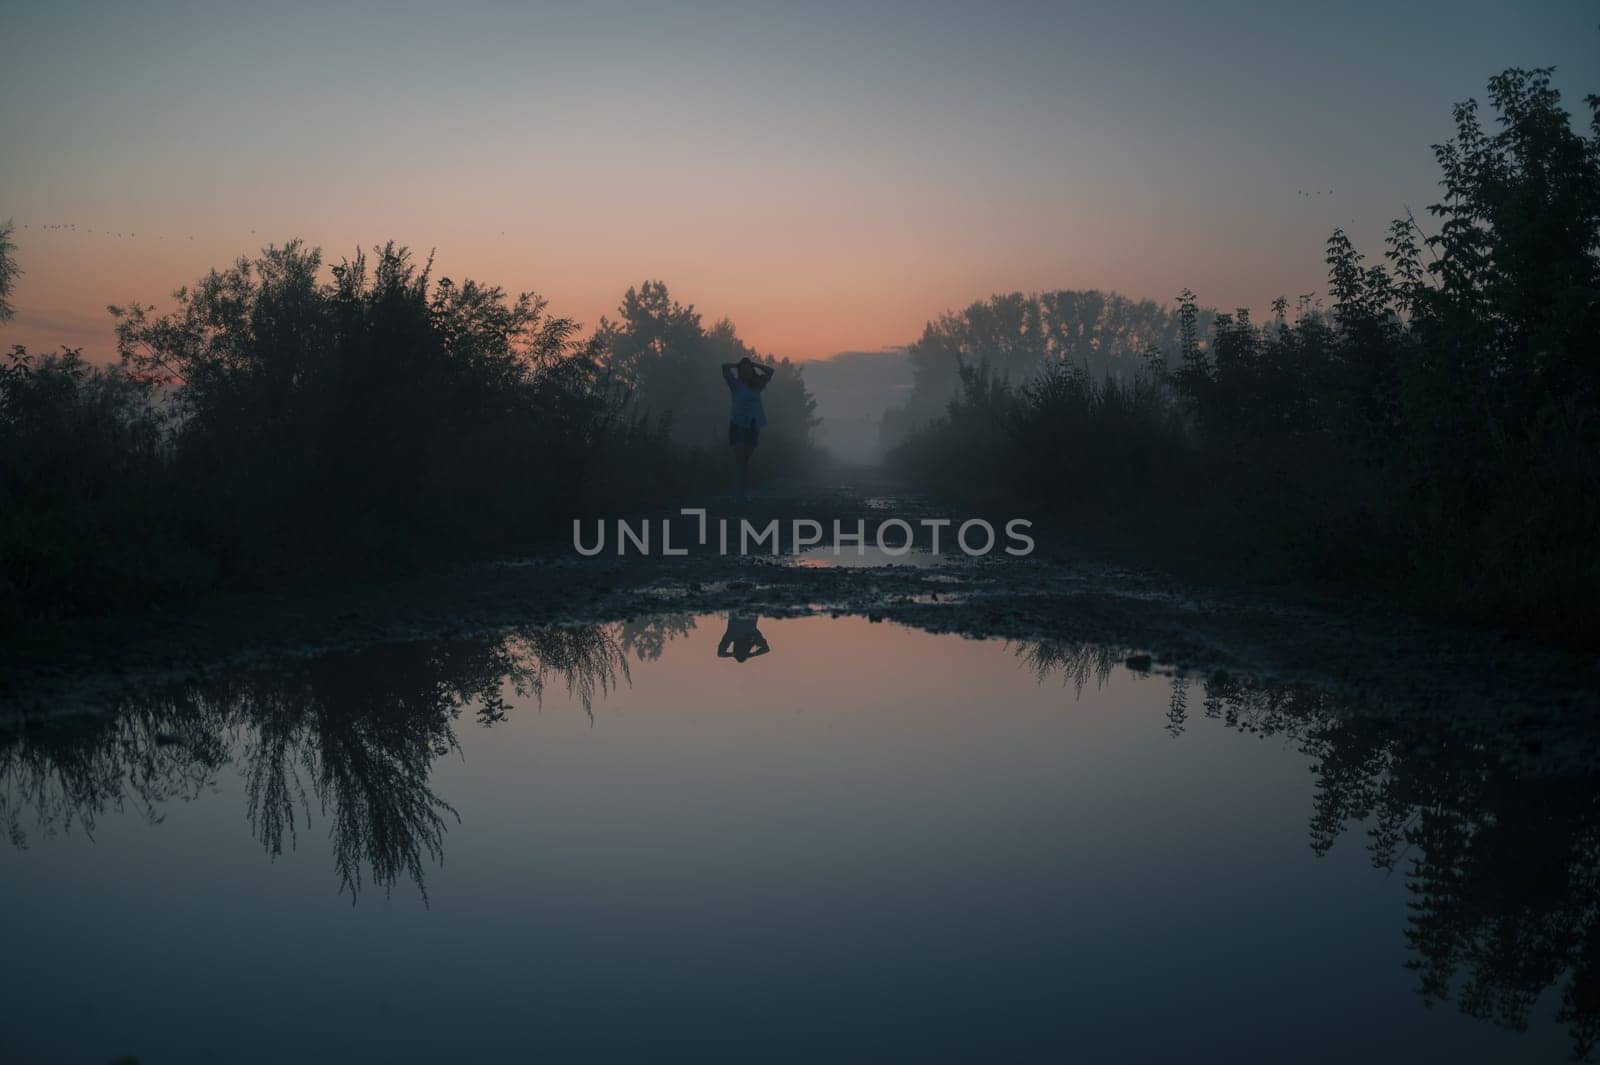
point(746, 378)
point(742, 640)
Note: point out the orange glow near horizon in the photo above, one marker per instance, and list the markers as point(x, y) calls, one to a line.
point(802, 284)
point(828, 183)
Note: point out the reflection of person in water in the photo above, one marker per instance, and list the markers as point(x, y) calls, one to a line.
point(742, 640)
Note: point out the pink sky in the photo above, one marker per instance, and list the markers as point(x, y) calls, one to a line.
point(829, 179)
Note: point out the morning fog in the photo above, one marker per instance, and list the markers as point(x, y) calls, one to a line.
point(973, 537)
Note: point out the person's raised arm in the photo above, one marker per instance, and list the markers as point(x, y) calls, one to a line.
point(764, 375)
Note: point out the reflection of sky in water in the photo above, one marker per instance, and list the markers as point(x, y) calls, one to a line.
point(828, 555)
point(870, 843)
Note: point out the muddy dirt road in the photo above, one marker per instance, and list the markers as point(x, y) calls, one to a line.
point(1382, 663)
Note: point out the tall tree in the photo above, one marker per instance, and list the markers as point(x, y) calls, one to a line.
point(9, 271)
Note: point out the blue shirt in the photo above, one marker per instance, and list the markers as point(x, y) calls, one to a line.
point(745, 407)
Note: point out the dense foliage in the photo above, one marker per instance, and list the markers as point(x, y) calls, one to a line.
point(286, 420)
point(1432, 432)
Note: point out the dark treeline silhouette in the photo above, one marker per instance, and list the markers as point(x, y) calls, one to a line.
point(1432, 434)
point(280, 422)
point(1013, 336)
point(1502, 863)
point(346, 741)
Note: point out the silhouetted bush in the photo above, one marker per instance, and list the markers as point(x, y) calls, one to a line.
point(1433, 434)
point(279, 422)
point(85, 488)
point(370, 418)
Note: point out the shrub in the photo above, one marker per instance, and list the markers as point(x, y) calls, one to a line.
point(1432, 435)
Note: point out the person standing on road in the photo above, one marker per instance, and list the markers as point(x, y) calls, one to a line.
point(745, 379)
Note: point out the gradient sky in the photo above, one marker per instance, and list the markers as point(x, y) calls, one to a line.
point(828, 177)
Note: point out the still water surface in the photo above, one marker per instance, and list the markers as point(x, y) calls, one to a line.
point(658, 841)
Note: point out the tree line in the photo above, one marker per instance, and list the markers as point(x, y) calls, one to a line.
point(284, 420)
point(1431, 433)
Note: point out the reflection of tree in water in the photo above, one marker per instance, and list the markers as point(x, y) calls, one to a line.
point(590, 659)
point(1502, 865)
point(352, 736)
point(645, 639)
point(1077, 663)
point(69, 774)
point(357, 733)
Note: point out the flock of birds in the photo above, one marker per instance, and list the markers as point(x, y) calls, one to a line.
point(74, 228)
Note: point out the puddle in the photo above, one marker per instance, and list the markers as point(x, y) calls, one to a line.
point(829, 556)
point(736, 838)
